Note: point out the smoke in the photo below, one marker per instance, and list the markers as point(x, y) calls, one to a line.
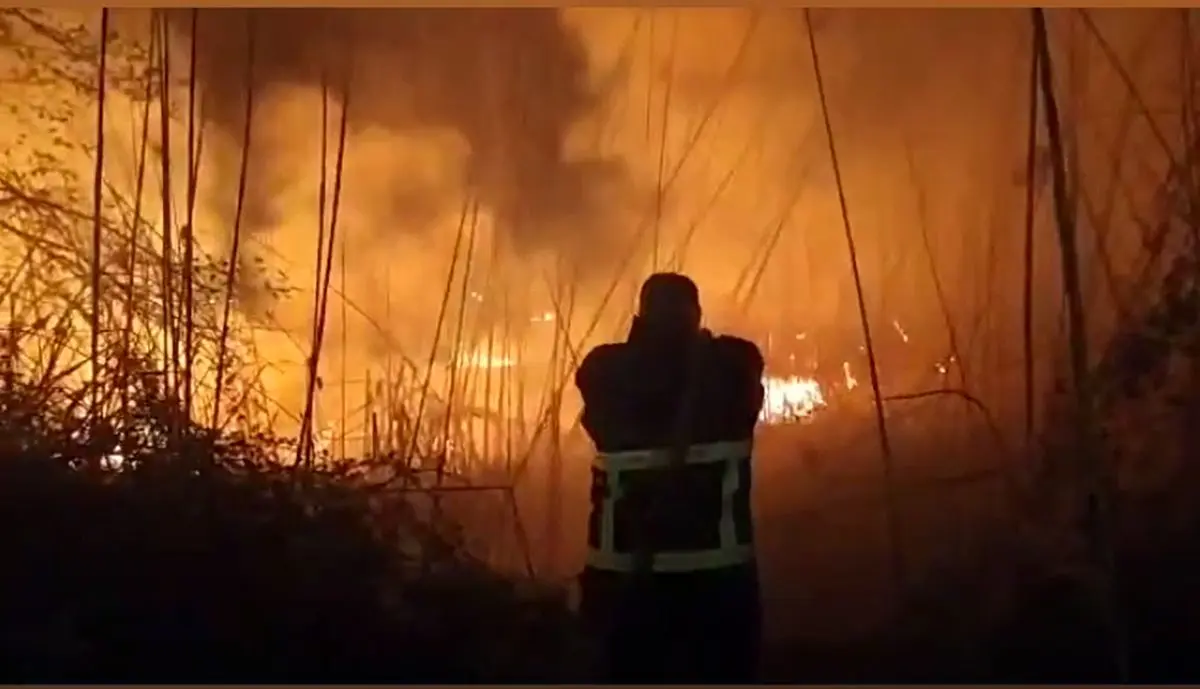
point(509, 82)
point(561, 123)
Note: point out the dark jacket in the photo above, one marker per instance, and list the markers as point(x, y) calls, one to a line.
point(673, 627)
point(631, 390)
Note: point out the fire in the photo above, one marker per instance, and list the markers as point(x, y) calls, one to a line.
point(479, 359)
point(790, 399)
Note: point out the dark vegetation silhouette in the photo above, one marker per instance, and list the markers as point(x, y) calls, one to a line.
point(209, 554)
point(208, 558)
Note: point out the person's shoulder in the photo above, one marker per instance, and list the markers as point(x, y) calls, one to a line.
point(738, 346)
point(740, 353)
point(734, 341)
point(600, 367)
point(608, 351)
point(603, 357)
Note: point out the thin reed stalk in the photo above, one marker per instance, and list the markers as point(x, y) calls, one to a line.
point(345, 346)
point(97, 209)
point(1031, 184)
point(311, 369)
point(324, 273)
point(506, 386)
point(727, 82)
point(772, 241)
point(1098, 504)
point(652, 25)
point(236, 240)
point(322, 201)
point(895, 547)
point(1128, 82)
point(468, 214)
point(170, 342)
point(455, 350)
point(939, 289)
point(660, 192)
point(135, 230)
point(189, 236)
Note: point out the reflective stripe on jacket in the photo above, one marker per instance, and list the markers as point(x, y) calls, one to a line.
point(709, 504)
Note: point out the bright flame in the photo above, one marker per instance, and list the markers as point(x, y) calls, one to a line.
point(790, 399)
point(848, 376)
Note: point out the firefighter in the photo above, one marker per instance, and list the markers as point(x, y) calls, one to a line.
point(670, 582)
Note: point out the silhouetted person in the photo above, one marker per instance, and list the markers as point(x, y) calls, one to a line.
point(670, 582)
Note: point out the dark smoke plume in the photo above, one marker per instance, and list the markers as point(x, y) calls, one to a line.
point(510, 81)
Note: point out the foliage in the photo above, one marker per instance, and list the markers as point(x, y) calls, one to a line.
point(207, 558)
